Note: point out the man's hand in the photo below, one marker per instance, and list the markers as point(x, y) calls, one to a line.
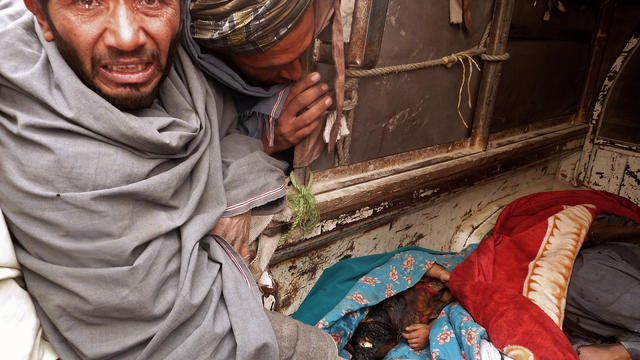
point(235, 230)
point(604, 352)
point(300, 113)
point(417, 335)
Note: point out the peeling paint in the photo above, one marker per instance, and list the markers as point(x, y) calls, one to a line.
point(382, 206)
point(424, 192)
point(630, 185)
point(631, 44)
point(328, 225)
point(315, 232)
point(607, 170)
point(360, 214)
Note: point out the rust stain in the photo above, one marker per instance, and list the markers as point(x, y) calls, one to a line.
point(294, 285)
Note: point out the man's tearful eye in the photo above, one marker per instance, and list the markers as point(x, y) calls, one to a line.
point(148, 3)
point(87, 4)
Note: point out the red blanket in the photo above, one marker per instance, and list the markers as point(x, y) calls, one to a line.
point(515, 283)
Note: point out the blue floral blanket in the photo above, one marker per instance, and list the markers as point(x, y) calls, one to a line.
point(349, 288)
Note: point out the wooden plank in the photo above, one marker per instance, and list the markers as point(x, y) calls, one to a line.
point(597, 53)
point(491, 73)
point(446, 175)
point(515, 135)
point(336, 178)
point(359, 203)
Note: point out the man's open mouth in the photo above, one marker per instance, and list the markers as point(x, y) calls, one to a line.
point(138, 73)
point(127, 68)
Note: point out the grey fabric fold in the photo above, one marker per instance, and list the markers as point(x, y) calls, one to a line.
point(110, 211)
point(602, 300)
point(297, 340)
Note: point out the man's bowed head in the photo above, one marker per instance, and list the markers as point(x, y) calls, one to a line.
point(122, 49)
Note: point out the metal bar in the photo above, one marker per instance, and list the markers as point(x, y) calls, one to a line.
point(369, 17)
point(491, 73)
point(375, 30)
point(354, 55)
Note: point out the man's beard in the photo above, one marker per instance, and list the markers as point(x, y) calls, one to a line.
point(135, 99)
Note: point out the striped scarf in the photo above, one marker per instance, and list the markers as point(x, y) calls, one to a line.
point(244, 26)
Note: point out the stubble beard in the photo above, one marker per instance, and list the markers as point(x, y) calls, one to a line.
point(135, 98)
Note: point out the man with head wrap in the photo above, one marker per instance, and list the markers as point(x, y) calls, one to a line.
point(118, 158)
point(263, 41)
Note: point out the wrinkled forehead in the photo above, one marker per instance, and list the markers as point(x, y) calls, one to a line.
point(45, 4)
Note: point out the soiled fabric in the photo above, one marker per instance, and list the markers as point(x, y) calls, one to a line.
point(110, 210)
point(242, 26)
point(344, 293)
point(300, 341)
point(603, 297)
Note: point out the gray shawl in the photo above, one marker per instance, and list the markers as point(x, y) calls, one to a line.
point(110, 211)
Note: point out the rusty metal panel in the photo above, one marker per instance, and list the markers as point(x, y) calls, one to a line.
point(542, 80)
point(545, 76)
point(530, 13)
point(408, 111)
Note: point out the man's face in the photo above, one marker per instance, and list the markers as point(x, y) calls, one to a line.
point(120, 48)
point(281, 63)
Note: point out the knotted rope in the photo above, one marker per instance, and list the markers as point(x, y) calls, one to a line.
point(471, 64)
point(501, 57)
point(304, 204)
point(343, 148)
point(448, 60)
point(357, 73)
point(459, 57)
